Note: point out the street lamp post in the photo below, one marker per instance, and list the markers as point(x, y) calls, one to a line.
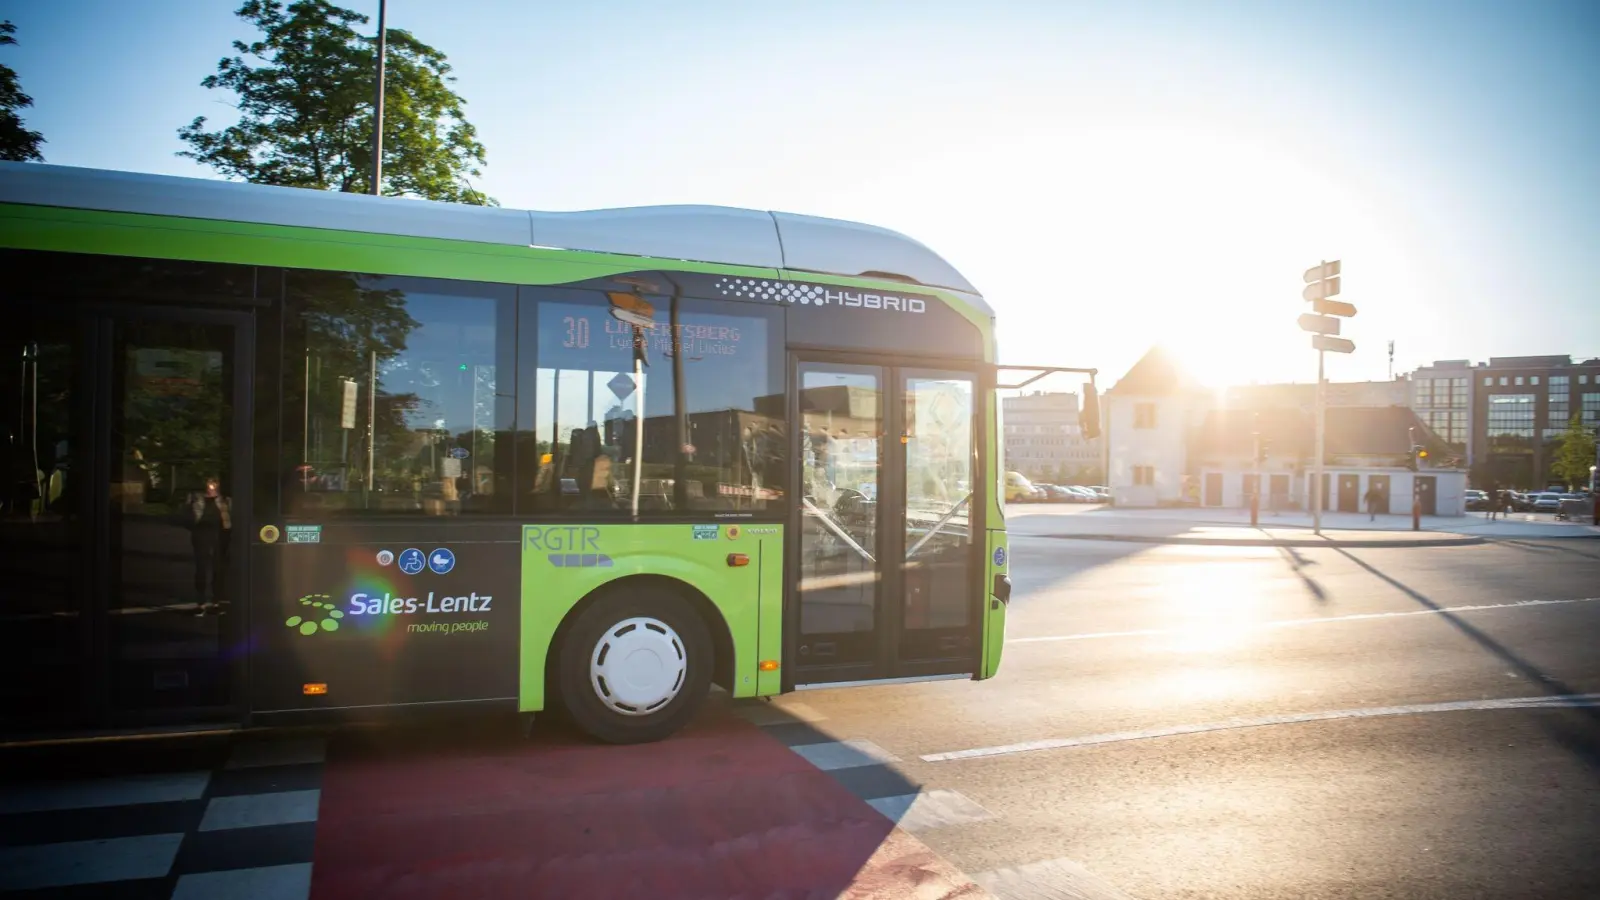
point(377, 101)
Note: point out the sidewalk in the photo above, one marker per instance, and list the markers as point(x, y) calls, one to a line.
point(1231, 527)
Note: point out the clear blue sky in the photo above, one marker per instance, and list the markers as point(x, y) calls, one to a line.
point(1109, 175)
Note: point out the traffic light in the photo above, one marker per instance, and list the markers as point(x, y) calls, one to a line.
point(1419, 456)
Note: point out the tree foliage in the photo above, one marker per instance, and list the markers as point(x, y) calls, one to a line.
point(17, 143)
point(304, 93)
point(1576, 454)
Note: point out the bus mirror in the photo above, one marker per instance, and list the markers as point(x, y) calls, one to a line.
point(1089, 417)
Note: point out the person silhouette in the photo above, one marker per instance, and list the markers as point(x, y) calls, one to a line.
point(210, 520)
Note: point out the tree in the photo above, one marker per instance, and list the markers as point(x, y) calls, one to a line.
point(306, 111)
point(17, 144)
point(1575, 455)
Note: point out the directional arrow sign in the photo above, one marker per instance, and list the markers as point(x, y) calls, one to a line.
point(1321, 290)
point(1332, 344)
point(1319, 324)
point(1326, 270)
point(1333, 308)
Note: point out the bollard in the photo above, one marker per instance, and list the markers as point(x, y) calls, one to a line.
point(1255, 508)
point(1416, 513)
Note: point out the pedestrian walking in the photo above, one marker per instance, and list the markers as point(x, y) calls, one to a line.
point(1494, 499)
point(1373, 498)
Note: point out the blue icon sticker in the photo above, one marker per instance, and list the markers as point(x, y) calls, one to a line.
point(412, 561)
point(999, 557)
point(441, 561)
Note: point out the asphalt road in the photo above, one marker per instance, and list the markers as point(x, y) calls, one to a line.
point(1169, 721)
point(1264, 723)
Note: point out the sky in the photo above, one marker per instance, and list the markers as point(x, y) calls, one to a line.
point(1110, 176)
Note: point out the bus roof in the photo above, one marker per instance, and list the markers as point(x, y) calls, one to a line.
point(706, 234)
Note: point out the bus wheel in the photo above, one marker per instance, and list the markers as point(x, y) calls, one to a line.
point(635, 665)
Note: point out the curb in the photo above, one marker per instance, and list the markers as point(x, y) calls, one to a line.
point(1360, 544)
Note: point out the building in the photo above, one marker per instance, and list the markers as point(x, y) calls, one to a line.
point(1044, 439)
point(1150, 417)
point(1441, 396)
point(1169, 442)
point(1520, 407)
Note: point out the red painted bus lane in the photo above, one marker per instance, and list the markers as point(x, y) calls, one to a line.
point(721, 810)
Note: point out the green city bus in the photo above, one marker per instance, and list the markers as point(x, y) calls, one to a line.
point(273, 455)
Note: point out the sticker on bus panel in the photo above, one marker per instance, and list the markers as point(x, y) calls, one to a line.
point(567, 546)
point(303, 534)
point(441, 561)
point(705, 532)
point(411, 561)
point(999, 557)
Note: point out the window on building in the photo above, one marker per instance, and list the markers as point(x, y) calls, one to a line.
point(1424, 393)
point(399, 403)
point(1583, 379)
point(712, 441)
point(1533, 380)
point(1144, 475)
point(1511, 418)
point(1589, 405)
point(1458, 393)
point(1502, 381)
point(1488, 381)
point(1144, 415)
point(1558, 410)
point(1518, 381)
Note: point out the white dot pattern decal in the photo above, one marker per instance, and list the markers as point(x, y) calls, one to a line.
point(754, 289)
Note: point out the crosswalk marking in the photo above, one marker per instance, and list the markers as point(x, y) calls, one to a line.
point(830, 755)
point(928, 810)
point(90, 794)
point(87, 862)
point(1051, 879)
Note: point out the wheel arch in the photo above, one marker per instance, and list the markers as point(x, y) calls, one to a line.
point(722, 651)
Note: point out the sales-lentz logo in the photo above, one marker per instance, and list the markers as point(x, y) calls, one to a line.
point(818, 295)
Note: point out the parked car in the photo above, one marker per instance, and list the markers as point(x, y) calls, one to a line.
point(1019, 489)
point(1082, 494)
point(1477, 501)
point(1058, 494)
point(1546, 502)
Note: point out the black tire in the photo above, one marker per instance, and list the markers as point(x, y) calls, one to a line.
point(583, 701)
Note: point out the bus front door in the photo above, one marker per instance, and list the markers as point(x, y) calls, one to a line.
point(124, 578)
point(886, 580)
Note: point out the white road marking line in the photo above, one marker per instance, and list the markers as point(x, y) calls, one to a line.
point(1051, 879)
point(87, 862)
point(1556, 701)
point(928, 810)
point(252, 810)
point(253, 754)
point(844, 754)
point(1290, 623)
point(291, 882)
point(90, 794)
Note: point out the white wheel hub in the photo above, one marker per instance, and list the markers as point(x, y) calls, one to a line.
point(638, 666)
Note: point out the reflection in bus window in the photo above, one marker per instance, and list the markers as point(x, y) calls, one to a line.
point(397, 390)
point(939, 448)
point(703, 377)
point(842, 429)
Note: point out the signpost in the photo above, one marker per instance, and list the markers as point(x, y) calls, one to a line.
point(1322, 283)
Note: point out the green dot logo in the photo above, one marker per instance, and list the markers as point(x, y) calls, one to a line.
point(320, 615)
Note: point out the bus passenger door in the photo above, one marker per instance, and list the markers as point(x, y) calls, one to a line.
point(883, 564)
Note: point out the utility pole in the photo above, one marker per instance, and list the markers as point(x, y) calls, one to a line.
point(1391, 360)
point(377, 100)
point(1322, 283)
